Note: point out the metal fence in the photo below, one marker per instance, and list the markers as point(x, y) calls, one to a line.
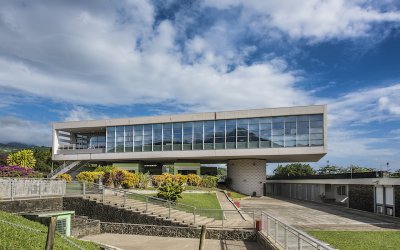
point(195, 216)
point(20, 188)
point(289, 237)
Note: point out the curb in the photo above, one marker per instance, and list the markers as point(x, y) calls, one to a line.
point(231, 201)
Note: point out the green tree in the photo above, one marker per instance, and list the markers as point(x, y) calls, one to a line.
point(294, 169)
point(331, 170)
point(170, 191)
point(359, 169)
point(43, 159)
point(23, 158)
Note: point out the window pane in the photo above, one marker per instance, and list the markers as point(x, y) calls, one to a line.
point(128, 138)
point(230, 133)
point(242, 133)
point(110, 139)
point(254, 133)
point(208, 134)
point(177, 133)
point(187, 135)
point(290, 131)
point(167, 137)
point(157, 137)
point(198, 135)
point(220, 134)
point(138, 138)
point(147, 137)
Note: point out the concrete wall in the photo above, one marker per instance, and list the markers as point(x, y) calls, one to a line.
point(247, 175)
point(179, 232)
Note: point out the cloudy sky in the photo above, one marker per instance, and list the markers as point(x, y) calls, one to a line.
point(77, 60)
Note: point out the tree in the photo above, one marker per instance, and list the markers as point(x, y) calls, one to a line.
point(23, 158)
point(170, 191)
point(358, 169)
point(294, 169)
point(43, 159)
point(331, 170)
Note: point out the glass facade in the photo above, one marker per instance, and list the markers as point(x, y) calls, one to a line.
point(268, 132)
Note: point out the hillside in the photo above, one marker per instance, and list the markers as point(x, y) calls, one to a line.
point(18, 237)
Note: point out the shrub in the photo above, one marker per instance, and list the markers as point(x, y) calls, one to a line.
point(181, 179)
point(144, 179)
point(158, 180)
point(89, 176)
point(65, 177)
point(130, 180)
point(118, 176)
point(170, 191)
point(23, 158)
point(209, 181)
point(17, 171)
point(107, 179)
point(193, 179)
point(105, 169)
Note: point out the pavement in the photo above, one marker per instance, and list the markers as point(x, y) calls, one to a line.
point(140, 242)
point(317, 216)
point(233, 214)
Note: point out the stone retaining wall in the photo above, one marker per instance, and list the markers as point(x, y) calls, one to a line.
point(82, 226)
point(32, 205)
point(179, 232)
point(361, 197)
point(106, 213)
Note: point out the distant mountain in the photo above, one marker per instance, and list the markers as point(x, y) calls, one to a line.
point(12, 146)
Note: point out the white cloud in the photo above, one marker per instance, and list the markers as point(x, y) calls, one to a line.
point(314, 19)
point(14, 129)
point(81, 114)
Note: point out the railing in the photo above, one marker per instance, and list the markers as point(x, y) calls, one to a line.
point(126, 198)
point(20, 188)
point(287, 236)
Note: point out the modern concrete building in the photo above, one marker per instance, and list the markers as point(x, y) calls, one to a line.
point(246, 140)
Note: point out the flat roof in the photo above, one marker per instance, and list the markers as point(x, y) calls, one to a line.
point(235, 114)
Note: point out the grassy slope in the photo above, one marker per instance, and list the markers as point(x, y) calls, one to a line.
point(12, 237)
point(201, 201)
point(357, 240)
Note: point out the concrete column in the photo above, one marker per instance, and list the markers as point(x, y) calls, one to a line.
point(247, 175)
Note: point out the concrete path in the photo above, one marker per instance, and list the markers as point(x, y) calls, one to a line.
point(316, 216)
point(227, 205)
point(139, 242)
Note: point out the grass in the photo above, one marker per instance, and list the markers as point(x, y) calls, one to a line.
point(359, 240)
point(236, 195)
point(13, 237)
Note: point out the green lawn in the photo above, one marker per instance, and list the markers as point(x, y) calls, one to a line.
point(13, 237)
point(359, 240)
point(236, 195)
point(200, 201)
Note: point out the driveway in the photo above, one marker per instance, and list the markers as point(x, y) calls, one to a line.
point(316, 216)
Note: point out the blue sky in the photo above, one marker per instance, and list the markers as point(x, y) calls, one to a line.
point(74, 60)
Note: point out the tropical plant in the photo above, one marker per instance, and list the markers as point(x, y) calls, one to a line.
point(130, 180)
point(181, 179)
point(17, 171)
point(170, 191)
point(89, 176)
point(107, 179)
point(105, 168)
point(331, 170)
point(65, 177)
point(23, 158)
point(209, 181)
point(144, 179)
point(43, 159)
point(118, 176)
point(193, 179)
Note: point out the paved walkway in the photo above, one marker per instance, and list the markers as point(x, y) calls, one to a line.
point(139, 242)
point(316, 216)
point(227, 205)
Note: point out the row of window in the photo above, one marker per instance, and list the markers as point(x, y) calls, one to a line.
point(289, 131)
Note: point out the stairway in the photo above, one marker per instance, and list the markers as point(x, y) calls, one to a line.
point(64, 169)
point(177, 217)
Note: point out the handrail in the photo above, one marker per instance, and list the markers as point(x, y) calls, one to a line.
point(299, 234)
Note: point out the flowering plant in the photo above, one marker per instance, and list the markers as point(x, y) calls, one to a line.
point(17, 171)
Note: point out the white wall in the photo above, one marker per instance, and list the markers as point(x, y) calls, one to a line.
point(247, 175)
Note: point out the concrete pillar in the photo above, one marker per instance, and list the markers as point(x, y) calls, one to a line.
point(247, 175)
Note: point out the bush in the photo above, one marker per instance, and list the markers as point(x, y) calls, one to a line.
point(89, 176)
point(209, 181)
point(17, 171)
point(130, 180)
point(170, 191)
point(23, 158)
point(107, 179)
point(193, 179)
point(181, 179)
point(144, 179)
point(158, 180)
point(118, 176)
point(65, 177)
point(105, 169)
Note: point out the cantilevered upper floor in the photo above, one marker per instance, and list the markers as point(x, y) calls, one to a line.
point(275, 134)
